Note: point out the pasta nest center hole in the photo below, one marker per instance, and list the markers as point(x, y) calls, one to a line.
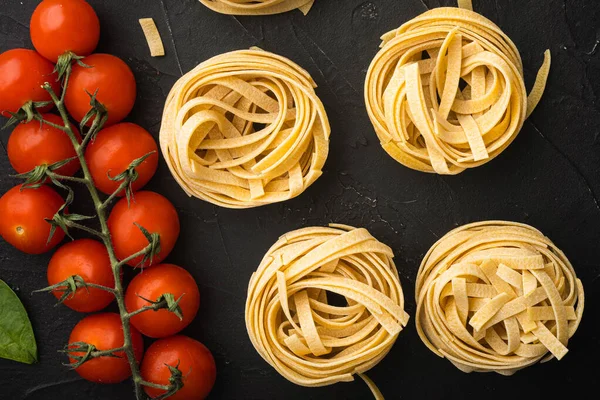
point(325, 303)
point(497, 296)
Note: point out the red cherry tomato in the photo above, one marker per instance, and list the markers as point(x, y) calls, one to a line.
point(33, 143)
point(153, 212)
point(23, 215)
point(193, 359)
point(88, 259)
point(22, 73)
point(58, 26)
point(114, 149)
point(105, 332)
point(111, 77)
point(154, 282)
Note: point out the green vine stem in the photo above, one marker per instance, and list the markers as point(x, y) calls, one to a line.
point(89, 351)
point(37, 177)
point(69, 286)
point(166, 301)
point(104, 232)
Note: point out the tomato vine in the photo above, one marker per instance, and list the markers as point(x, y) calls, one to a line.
point(35, 178)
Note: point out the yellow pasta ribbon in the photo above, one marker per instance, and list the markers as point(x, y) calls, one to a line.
point(245, 129)
point(446, 91)
point(497, 296)
point(152, 36)
point(257, 7)
point(291, 323)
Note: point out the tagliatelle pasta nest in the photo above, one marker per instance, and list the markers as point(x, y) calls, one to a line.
point(257, 7)
point(497, 296)
point(291, 322)
point(446, 92)
point(244, 129)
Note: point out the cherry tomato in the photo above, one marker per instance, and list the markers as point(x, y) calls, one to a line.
point(88, 259)
point(153, 212)
point(58, 26)
point(33, 143)
point(194, 360)
point(151, 284)
point(111, 77)
point(22, 218)
point(22, 73)
point(105, 332)
point(114, 149)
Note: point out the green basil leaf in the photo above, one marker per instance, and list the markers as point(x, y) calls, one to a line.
point(17, 341)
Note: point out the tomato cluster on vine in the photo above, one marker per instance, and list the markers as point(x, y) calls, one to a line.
point(118, 159)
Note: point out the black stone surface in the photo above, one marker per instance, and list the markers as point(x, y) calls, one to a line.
point(549, 178)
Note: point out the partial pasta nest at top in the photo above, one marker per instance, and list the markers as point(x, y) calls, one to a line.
point(446, 91)
point(497, 296)
point(244, 129)
point(257, 7)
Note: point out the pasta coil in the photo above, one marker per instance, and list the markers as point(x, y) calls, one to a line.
point(291, 323)
point(245, 129)
point(446, 92)
point(497, 296)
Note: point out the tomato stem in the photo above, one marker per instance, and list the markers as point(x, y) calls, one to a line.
point(59, 177)
point(91, 133)
point(110, 198)
point(154, 385)
point(52, 124)
point(135, 255)
point(69, 286)
point(91, 231)
point(89, 351)
point(165, 301)
point(101, 287)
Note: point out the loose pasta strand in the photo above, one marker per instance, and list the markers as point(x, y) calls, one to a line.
point(152, 36)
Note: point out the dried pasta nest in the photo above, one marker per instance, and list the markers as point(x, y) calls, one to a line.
point(446, 92)
point(497, 296)
point(293, 325)
point(257, 7)
point(244, 129)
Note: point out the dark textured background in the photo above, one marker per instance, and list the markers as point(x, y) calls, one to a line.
point(549, 178)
